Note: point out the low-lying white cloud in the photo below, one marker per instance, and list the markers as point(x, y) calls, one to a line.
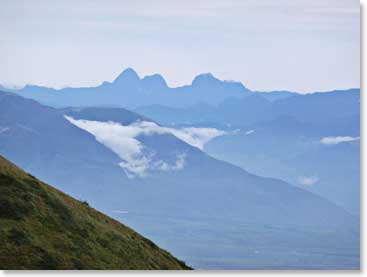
point(121, 140)
point(136, 158)
point(249, 132)
point(4, 129)
point(197, 137)
point(308, 180)
point(179, 164)
point(336, 140)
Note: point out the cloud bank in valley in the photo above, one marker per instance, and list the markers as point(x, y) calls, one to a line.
point(136, 158)
point(336, 140)
point(196, 137)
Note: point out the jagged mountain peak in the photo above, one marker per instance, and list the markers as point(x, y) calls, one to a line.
point(205, 78)
point(154, 80)
point(128, 75)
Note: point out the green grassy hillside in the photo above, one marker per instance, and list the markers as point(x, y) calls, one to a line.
point(42, 228)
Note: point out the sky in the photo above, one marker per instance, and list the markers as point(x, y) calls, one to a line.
point(296, 45)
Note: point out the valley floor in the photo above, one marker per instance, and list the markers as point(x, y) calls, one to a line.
point(236, 245)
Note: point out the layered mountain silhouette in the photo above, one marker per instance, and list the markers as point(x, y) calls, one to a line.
point(53, 140)
point(43, 228)
point(332, 110)
point(283, 138)
point(201, 199)
point(129, 90)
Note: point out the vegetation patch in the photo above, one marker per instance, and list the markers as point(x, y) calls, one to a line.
point(43, 228)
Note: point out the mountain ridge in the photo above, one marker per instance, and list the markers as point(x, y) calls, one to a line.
point(215, 193)
point(43, 228)
point(131, 91)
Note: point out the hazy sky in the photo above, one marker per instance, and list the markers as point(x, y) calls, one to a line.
point(301, 45)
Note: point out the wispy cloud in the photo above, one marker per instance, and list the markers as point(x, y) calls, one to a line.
point(197, 137)
point(136, 158)
point(308, 180)
point(249, 132)
point(179, 164)
point(3, 129)
point(121, 140)
point(336, 140)
point(121, 212)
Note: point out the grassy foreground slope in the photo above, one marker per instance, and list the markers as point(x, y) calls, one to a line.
point(43, 228)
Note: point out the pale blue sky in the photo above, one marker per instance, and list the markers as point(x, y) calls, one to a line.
point(300, 45)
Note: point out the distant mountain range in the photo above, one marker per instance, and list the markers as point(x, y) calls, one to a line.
point(284, 138)
point(335, 111)
point(131, 91)
point(168, 186)
point(42, 141)
point(43, 228)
